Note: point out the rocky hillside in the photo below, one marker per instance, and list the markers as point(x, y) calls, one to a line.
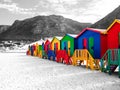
point(42, 26)
point(107, 20)
point(4, 28)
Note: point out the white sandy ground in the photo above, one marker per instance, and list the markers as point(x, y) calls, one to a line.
point(21, 72)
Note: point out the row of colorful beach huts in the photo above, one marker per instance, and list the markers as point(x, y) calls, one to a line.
point(95, 48)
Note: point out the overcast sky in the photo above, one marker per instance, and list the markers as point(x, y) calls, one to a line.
point(79, 10)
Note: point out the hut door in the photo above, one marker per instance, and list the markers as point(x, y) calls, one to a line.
point(69, 48)
point(48, 47)
point(65, 46)
point(119, 40)
point(42, 46)
point(54, 47)
point(91, 46)
point(84, 43)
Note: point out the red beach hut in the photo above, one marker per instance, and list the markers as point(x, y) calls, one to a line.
point(47, 46)
point(113, 35)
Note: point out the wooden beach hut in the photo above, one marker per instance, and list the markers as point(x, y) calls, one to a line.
point(94, 40)
point(47, 45)
point(67, 43)
point(55, 44)
point(113, 33)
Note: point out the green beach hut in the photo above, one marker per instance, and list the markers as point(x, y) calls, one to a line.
point(67, 43)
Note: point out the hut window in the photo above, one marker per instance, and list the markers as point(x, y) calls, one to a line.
point(84, 43)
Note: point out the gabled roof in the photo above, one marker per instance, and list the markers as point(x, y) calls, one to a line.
point(58, 37)
point(116, 20)
point(72, 35)
point(47, 41)
point(101, 31)
point(55, 38)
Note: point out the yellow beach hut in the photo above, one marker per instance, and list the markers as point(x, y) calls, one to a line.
point(55, 44)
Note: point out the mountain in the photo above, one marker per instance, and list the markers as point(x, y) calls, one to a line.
point(4, 28)
point(42, 26)
point(107, 20)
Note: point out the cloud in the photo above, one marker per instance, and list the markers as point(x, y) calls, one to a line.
point(6, 1)
point(80, 10)
point(100, 9)
point(69, 2)
point(17, 10)
point(74, 9)
point(64, 6)
point(55, 6)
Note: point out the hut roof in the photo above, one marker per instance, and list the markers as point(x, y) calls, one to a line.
point(101, 31)
point(116, 20)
